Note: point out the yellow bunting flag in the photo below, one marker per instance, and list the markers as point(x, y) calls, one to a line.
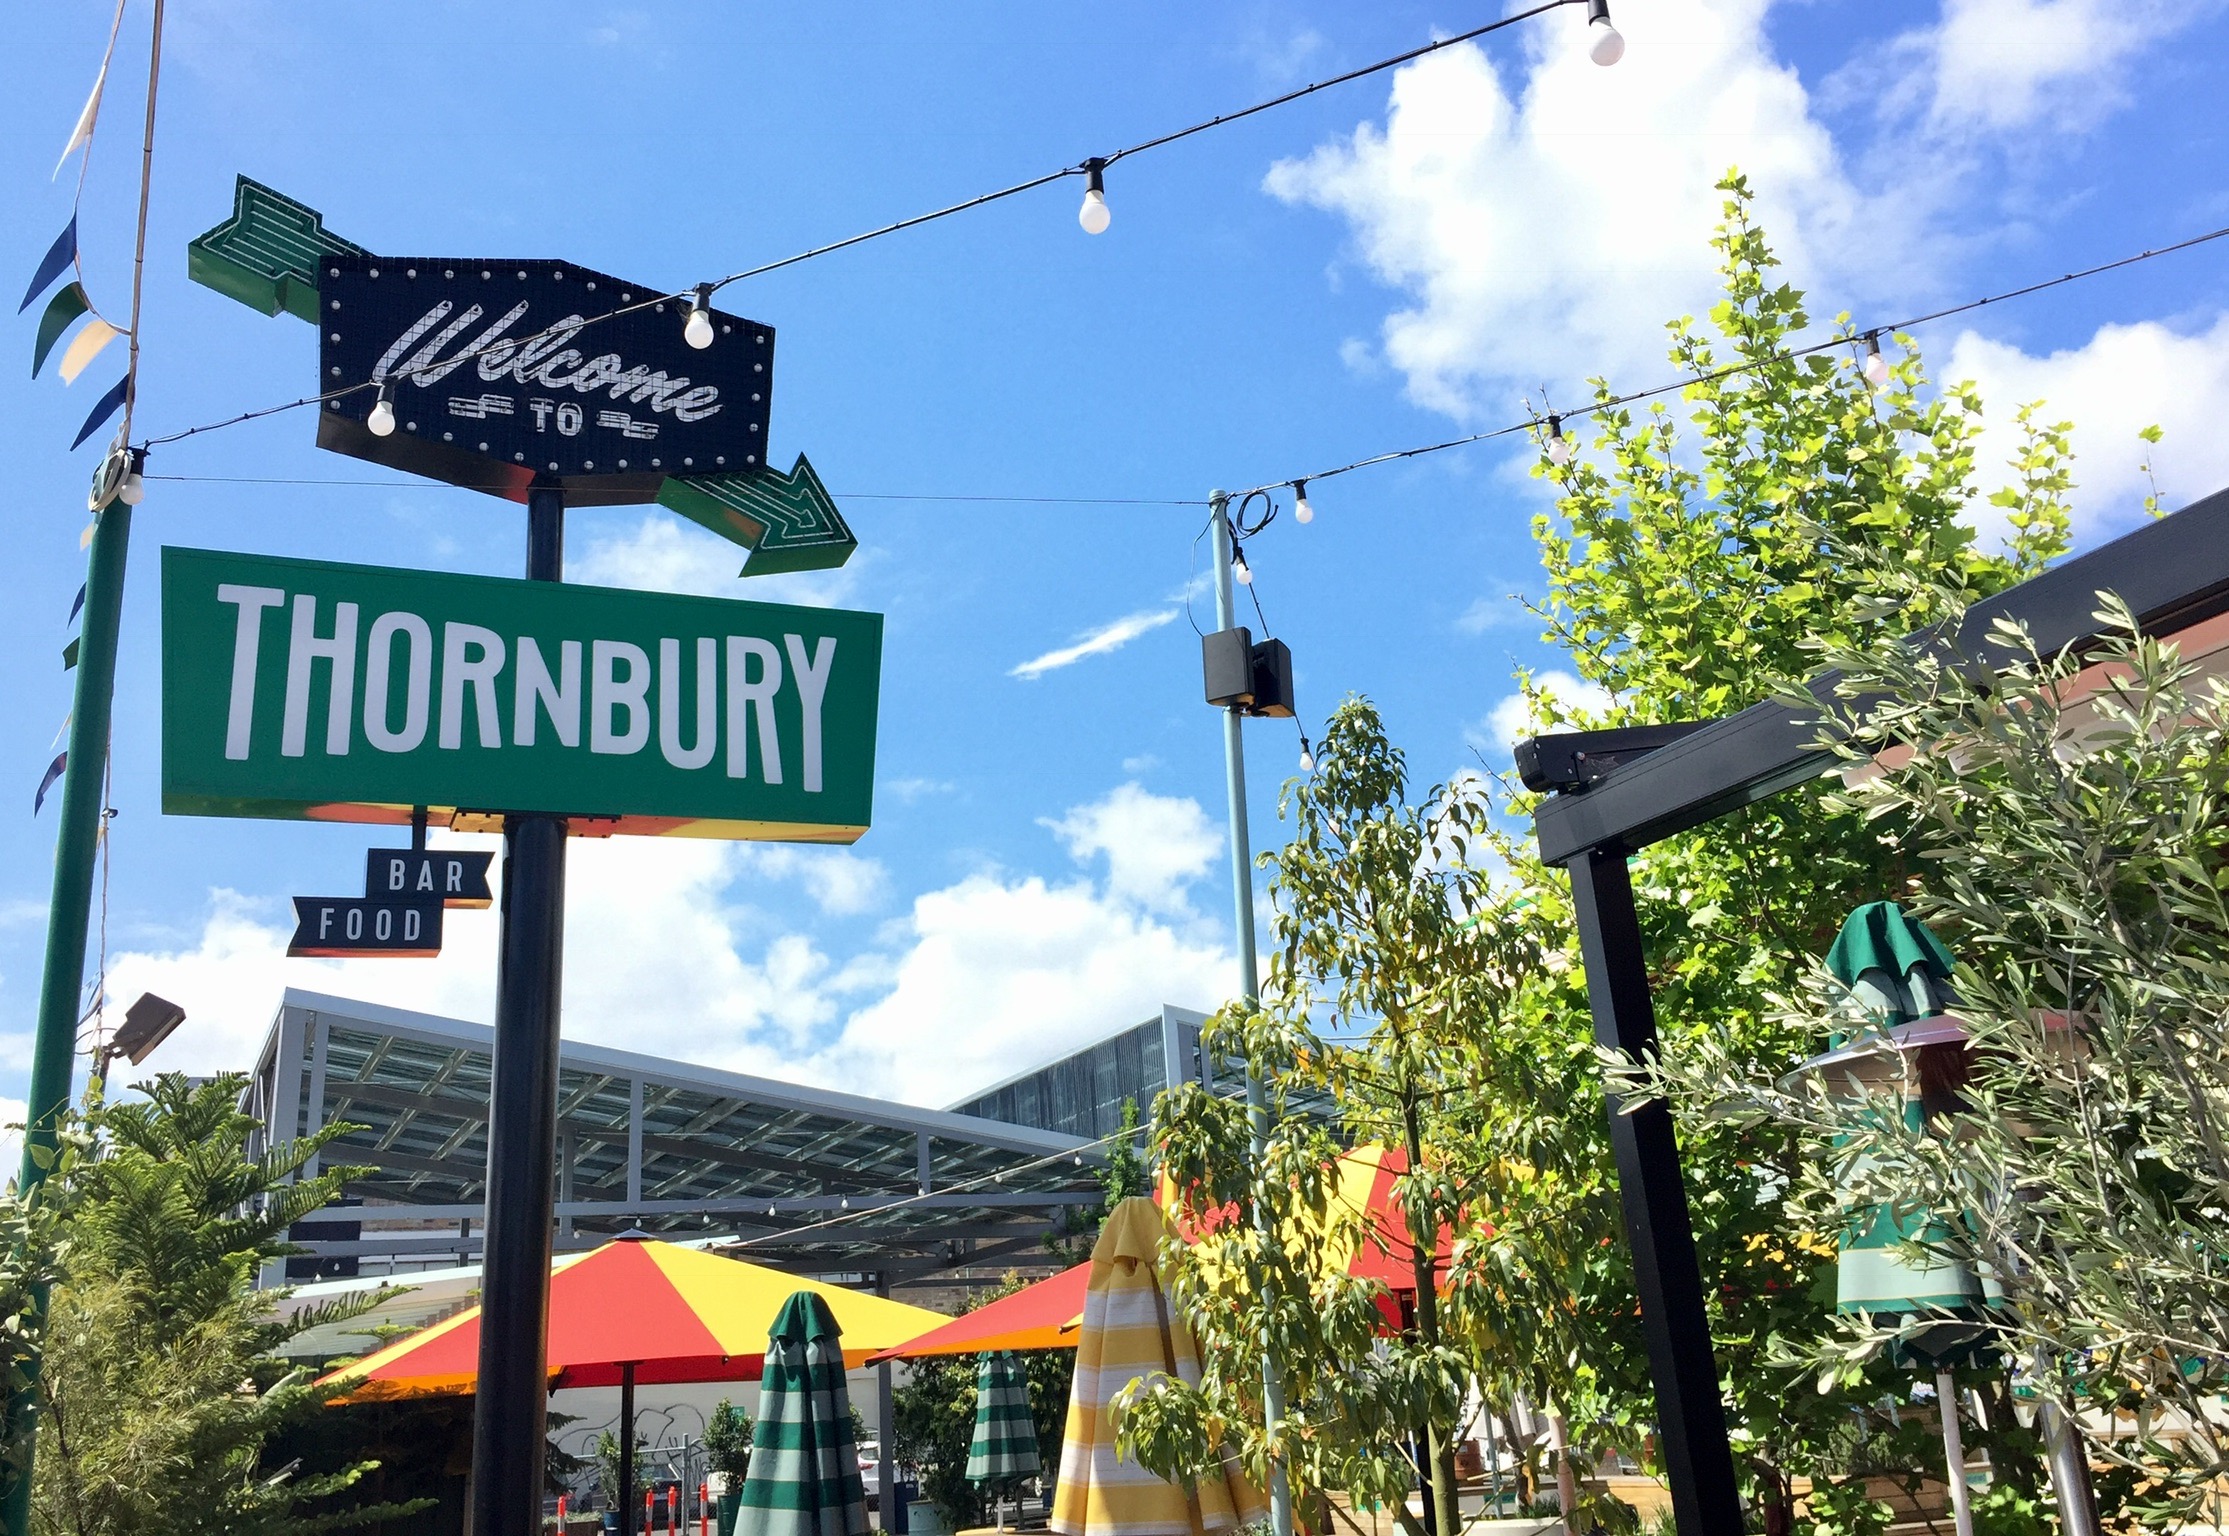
point(97, 334)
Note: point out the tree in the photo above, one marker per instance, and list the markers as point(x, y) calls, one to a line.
point(1390, 971)
point(2076, 867)
point(727, 1443)
point(159, 1392)
point(1695, 560)
point(1693, 571)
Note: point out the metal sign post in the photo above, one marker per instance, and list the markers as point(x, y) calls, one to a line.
point(510, 1413)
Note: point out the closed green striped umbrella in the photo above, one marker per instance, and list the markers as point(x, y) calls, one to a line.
point(1005, 1443)
point(804, 1478)
point(1902, 974)
point(1893, 962)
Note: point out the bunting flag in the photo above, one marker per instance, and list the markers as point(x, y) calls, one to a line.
point(61, 312)
point(103, 408)
point(97, 334)
point(69, 655)
point(53, 772)
point(59, 257)
point(82, 134)
point(76, 603)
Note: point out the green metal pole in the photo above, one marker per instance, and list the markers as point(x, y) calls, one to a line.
point(77, 846)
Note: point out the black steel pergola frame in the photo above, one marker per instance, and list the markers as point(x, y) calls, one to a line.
point(2172, 573)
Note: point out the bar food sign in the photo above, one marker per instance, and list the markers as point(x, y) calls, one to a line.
point(295, 688)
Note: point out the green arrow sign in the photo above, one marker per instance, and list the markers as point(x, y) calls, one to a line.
point(295, 688)
point(787, 522)
point(266, 254)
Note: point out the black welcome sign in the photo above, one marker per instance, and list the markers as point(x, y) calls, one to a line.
point(496, 371)
point(496, 374)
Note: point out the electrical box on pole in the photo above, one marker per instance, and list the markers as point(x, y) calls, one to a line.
point(1254, 678)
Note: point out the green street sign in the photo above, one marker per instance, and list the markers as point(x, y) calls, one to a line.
point(296, 688)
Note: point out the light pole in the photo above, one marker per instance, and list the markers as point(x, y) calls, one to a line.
point(1249, 987)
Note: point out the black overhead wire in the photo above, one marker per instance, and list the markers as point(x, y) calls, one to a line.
point(1531, 423)
point(1083, 167)
point(1534, 422)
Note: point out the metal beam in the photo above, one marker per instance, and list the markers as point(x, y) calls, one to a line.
point(2172, 574)
point(1690, 1418)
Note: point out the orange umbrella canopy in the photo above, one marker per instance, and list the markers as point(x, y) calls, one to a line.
point(675, 1314)
point(1040, 1316)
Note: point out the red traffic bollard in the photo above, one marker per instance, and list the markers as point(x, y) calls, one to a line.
point(704, 1509)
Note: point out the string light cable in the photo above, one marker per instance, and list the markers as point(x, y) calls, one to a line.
point(1094, 215)
point(1549, 426)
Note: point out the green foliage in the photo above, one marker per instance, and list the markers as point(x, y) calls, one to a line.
point(1697, 558)
point(727, 1441)
point(1693, 569)
point(607, 1468)
point(2006, 1511)
point(158, 1392)
point(1842, 1507)
point(1124, 1173)
point(2076, 867)
point(934, 1412)
point(1389, 985)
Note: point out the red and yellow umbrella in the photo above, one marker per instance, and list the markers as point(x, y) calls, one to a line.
point(1041, 1316)
point(1378, 1247)
point(643, 1309)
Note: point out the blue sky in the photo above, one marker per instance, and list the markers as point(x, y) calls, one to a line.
point(1381, 265)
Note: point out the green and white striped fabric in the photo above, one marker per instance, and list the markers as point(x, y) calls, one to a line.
point(804, 1478)
point(1005, 1443)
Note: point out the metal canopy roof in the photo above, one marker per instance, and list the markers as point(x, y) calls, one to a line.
point(806, 1177)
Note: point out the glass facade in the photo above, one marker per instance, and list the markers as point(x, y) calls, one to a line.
point(1083, 1094)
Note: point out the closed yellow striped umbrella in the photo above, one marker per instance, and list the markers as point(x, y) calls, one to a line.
point(1129, 1333)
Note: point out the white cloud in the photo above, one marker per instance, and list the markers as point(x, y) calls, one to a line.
point(13, 1113)
point(1107, 637)
point(2005, 64)
point(1155, 845)
point(1549, 232)
point(998, 972)
point(2125, 378)
point(657, 962)
point(842, 882)
point(911, 791)
point(1523, 714)
point(667, 553)
point(1002, 977)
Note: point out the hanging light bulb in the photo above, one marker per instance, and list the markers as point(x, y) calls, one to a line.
point(134, 487)
point(697, 329)
point(1605, 44)
point(1877, 371)
point(1240, 569)
point(1307, 757)
point(1559, 446)
point(1302, 512)
point(382, 417)
point(1093, 215)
